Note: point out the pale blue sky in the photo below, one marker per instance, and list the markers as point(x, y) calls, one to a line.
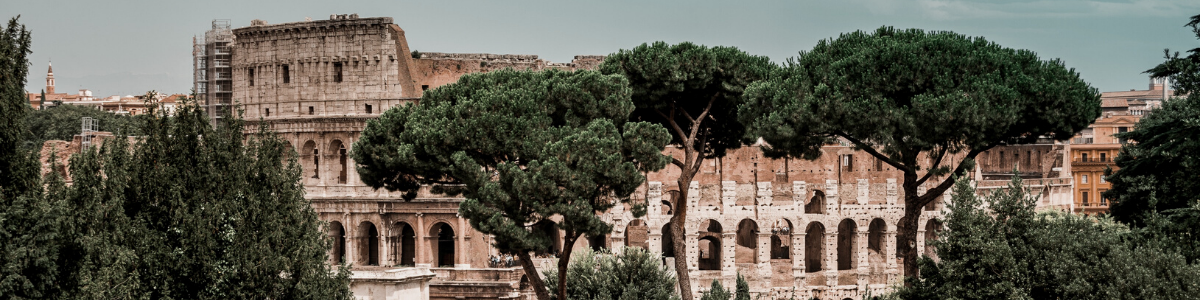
point(129, 47)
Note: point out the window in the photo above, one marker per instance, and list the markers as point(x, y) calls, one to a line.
point(1103, 200)
point(878, 164)
point(1122, 130)
point(310, 110)
point(337, 72)
point(1083, 179)
point(1017, 160)
point(1102, 180)
point(1003, 161)
point(1103, 157)
point(1029, 158)
point(250, 75)
point(368, 108)
point(1083, 157)
point(424, 87)
point(267, 112)
point(848, 162)
point(287, 74)
point(1083, 198)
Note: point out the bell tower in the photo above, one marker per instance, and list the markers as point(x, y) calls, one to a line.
point(50, 80)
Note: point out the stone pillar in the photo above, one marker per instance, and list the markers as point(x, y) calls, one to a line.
point(693, 198)
point(832, 201)
point(892, 194)
point(654, 240)
point(860, 250)
point(653, 199)
point(728, 194)
point(764, 255)
point(798, 258)
point(728, 250)
point(422, 243)
point(799, 195)
point(830, 265)
point(693, 251)
point(864, 191)
point(460, 259)
point(890, 254)
point(764, 193)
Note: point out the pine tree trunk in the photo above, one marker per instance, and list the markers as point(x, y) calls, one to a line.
point(535, 279)
point(906, 230)
point(678, 235)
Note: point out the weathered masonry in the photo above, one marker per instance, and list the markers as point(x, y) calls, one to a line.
point(824, 228)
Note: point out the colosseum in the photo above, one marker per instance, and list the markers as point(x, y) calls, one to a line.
point(824, 228)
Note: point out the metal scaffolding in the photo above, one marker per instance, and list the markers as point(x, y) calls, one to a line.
point(213, 75)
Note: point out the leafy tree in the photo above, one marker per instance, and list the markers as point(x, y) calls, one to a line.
point(716, 292)
point(632, 274)
point(743, 288)
point(694, 91)
point(1155, 186)
point(1010, 251)
point(63, 123)
point(14, 68)
point(922, 102)
point(528, 146)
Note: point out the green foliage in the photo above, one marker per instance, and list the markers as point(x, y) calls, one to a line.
point(14, 68)
point(676, 83)
point(635, 273)
point(1010, 251)
point(63, 123)
point(743, 288)
point(716, 292)
point(527, 146)
point(1156, 187)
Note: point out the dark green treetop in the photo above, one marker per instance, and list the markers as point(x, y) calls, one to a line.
point(528, 146)
point(632, 273)
point(716, 292)
point(904, 95)
point(1184, 71)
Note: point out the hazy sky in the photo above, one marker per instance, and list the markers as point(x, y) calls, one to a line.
point(129, 47)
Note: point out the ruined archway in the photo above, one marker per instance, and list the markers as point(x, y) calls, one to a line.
point(876, 260)
point(846, 259)
point(443, 244)
point(668, 243)
point(338, 157)
point(814, 247)
point(816, 205)
point(367, 240)
point(337, 253)
point(746, 250)
point(636, 234)
point(310, 162)
point(404, 244)
point(781, 239)
point(709, 245)
point(547, 229)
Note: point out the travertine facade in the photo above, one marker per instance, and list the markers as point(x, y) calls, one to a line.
point(822, 228)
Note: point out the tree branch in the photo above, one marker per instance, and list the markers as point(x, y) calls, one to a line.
point(873, 152)
point(696, 124)
point(671, 120)
point(936, 162)
point(949, 181)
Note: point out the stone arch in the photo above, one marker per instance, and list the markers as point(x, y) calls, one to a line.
point(746, 250)
point(367, 240)
point(310, 161)
point(814, 247)
point(816, 205)
point(338, 157)
point(781, 239)
point(876, 260)
point(404, 244)
point(932, 227)
point(667, 205)
point(636, 234)
point(846, 259)
point(548, 230)
point(668, 242)
point(337, 233)
point(442, 244)
point(709, 245)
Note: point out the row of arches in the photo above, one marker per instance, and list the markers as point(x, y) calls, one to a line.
point(815, 205)
point(330, 163)
point(402, 244)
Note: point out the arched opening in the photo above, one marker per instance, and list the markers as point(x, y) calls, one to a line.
point(845, 245)
point(747, 242)
point(781, 239)
point(310, 161)
point(548, 230)
point(875, 257)
point(368, 244)
point(814, 247)
point(668, 243)
point(816, 205)
point(709, 245)
point(932, 227)
point(337, 253)
point(444, 245)
point(665, 207)
point(636, 234)
point(339, 160)
point(599, 242)
point(404, 244)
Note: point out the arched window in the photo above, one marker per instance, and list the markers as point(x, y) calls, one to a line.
point(368, 244)
point(339, 160)
point(814, 247)
point(781, 239)
point(845, 245)
point(668, 243)
point(816, 205)
point(876, 260)
point(747, 242)
point(444, 245)
point(404, 244)
point(337, 254)
point(636, 234)
point(547, 229)
point(310, 161)
point(709, 245)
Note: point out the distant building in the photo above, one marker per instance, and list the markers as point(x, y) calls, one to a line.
point(212, 75)
point(121, 105)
